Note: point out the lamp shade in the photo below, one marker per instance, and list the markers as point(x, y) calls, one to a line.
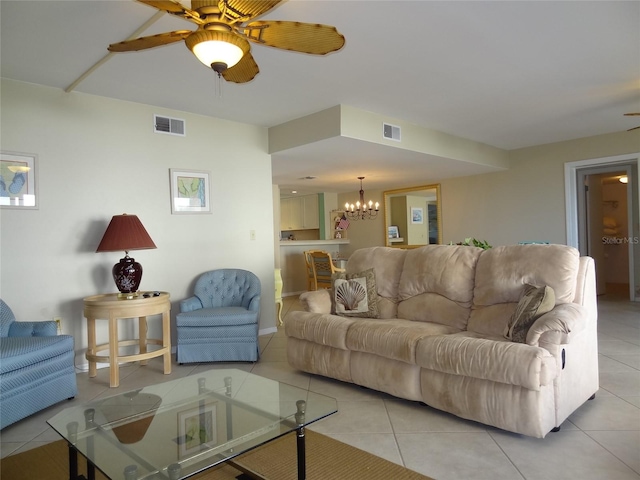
point(217, 49)
point(125, 233)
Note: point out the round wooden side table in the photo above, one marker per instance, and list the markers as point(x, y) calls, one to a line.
point(112, 308)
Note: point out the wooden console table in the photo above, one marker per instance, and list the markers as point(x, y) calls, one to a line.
point(112, 308)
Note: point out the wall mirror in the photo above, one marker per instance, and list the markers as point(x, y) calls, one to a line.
point(412, 216)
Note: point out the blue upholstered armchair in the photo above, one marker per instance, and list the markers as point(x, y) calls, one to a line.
point(220, 322)
point(36, 367)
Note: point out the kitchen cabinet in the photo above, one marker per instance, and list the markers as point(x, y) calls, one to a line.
point(310, 215)
point(299, 213)
point(290, 213)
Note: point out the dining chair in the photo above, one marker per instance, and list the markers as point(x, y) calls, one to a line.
point(311, 281)
point(323, 268)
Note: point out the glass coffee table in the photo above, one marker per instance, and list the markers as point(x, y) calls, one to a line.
point(176, 429)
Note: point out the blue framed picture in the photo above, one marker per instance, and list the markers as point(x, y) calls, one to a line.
point(417, 215)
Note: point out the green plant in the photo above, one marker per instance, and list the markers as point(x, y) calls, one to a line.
point(473, 242)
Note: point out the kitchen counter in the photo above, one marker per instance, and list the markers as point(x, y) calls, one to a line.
point(298, 243)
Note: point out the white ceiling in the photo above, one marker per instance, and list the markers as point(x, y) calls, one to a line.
point(510, 74)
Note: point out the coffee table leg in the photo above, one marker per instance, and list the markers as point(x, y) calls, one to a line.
point(301, 406)
point(72, 434)
point(89, 416)
point(228, 393)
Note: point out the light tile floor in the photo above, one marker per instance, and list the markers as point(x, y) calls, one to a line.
point(601, 440)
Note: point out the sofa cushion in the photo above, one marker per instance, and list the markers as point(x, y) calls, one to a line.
point(396, 340)
point(502, 272)
point(470, 355)
point(437, 284)
point(354, 294)
point(320, 328)
point(535, 302)
point(216, 317)
point(21, 352)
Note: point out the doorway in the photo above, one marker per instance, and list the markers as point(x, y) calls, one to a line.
point(603, 221)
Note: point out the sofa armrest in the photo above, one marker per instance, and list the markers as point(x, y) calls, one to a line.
point(190, 304)
point(316, 301)
point(47, 328)
point(559, 325)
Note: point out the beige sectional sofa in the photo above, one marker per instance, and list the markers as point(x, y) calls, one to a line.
point(444, 311)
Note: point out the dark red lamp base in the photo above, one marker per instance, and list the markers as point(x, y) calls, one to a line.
point(127, 274)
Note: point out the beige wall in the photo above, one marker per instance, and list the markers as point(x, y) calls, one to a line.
point(99, 157)
point(527, 201)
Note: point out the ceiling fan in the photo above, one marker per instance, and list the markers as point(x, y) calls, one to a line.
point(632, 115)
point(222, 38)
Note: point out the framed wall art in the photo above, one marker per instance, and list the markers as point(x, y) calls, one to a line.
point(393, 231)
point(417, 215)
point(189, 191)
point(18, 187)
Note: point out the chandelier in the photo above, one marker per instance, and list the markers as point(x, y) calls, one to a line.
point(360, 210)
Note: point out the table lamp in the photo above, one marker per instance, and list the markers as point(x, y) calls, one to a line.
point(126, 232)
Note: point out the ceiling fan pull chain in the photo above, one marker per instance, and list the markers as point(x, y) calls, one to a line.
point(218, 85)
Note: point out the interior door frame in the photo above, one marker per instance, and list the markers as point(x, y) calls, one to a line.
point(590, 214)
point(630, 163)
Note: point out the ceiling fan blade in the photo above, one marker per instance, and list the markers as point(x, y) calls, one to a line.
point(245, 10)
point(312, 38)
point(243, 71)
point(631, 114)
point(634, 128)
point(152, 41)
point(174, 8)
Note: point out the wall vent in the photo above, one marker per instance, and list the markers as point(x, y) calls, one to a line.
point(171, 126)
point(392, 132)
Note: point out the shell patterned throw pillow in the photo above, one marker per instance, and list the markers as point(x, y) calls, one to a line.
point(355, 294)
point(351, 295)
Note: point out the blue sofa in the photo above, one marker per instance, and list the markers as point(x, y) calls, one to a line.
point(36, 367)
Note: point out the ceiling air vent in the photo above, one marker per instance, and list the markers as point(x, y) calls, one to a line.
point(172, 126)
point(392, 132)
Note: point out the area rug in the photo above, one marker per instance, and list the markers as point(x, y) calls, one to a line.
point(327, 459)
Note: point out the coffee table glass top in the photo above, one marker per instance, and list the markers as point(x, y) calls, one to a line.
point(178, 428)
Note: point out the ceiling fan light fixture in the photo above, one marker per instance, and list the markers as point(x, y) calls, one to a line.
point(217, 49)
